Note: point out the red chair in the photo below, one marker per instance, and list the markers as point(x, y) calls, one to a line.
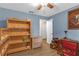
point(69, 48)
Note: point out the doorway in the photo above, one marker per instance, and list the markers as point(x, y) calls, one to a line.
point(43, 30)
point(46, 30)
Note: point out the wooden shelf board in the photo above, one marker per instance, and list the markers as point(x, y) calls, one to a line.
point(16, 28)
point(15, 20)
point(16, 41)
point(19, 35)
point(16, 50)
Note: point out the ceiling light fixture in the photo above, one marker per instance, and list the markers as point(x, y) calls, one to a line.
point(40, 6)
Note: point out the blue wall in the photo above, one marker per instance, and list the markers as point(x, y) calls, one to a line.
point(61, 24)
point(5, 13)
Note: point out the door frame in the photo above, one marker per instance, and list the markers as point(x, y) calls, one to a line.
point(40, 27)
point(46, 27)
point(51, 29)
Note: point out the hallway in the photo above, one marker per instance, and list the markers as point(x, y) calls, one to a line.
point(45, 50)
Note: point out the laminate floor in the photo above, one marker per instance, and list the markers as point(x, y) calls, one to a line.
point(45, 50)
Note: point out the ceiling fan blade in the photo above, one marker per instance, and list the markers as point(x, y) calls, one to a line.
point(39, 7)
point(50, 5)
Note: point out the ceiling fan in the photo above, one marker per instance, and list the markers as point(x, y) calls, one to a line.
point(49, 5)
point(42, 6)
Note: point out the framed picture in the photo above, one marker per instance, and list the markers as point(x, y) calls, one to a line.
point(73, 19)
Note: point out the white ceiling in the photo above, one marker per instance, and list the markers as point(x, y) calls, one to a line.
point(29, 8)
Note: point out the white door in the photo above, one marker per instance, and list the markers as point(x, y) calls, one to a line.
point(43, 33)
point(49, 30)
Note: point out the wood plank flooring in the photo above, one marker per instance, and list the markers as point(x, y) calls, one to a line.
point(45, 50)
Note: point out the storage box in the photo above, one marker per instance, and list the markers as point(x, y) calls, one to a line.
point(36, 42)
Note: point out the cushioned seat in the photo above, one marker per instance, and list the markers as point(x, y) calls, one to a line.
point(69, 48)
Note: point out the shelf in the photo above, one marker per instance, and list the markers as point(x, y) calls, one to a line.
point(17, 49)
point(16, 41)
point(9, 29)
point(17, 20)
point(18, 25)
point(12, 42)
point(18, 34)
